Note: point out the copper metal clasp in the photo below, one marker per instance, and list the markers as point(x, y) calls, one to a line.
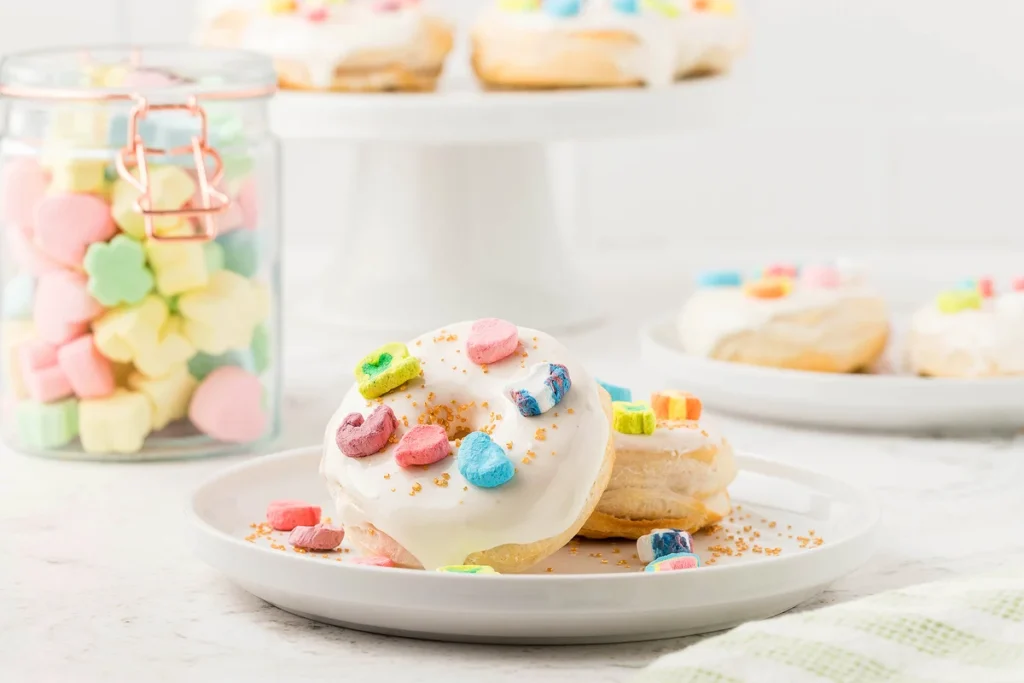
point(135, 153)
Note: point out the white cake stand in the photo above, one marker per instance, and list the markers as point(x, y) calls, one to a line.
point(452, 211)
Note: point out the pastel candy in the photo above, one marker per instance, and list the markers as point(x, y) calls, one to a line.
point(358, 437)
point(541, 390)
point(178, 266)
point(372, 561)
point(617, 393)
point(483, 463)
point(822, 277)
point(19, 295)
point(422, 445)
point(122, 332)
point(224, 314)
point(519, 5)
point(88, 372)
point(117, 271)
point(959, 300)
point(43, 426)
point(63, 297)
point(43, 378)
point(787, 270)
point(320, 537)
point(84, 176)
point(260, 349)
point(662, 543)
point(14, 335)
point(23, 184)
point(633, 418)
point(228, 406)
point(664, 7)
point(626, 6)
point(675, 405)
point(491, 340)
point(30, 257)
point(168, 396)
point(170, 350)
point(720, 278)
point(171, 188)
point(987, 287)
point(116, 424)
point(285, 515)
point(386, 369)
point(562, 8)
point(672, 563)
point(771, 288)
point(241, 251)
point(67, 223)
point(248, 201)
point(202, 364)
point(467, 569)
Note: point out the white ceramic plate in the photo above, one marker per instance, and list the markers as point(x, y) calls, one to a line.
point(864, 401)
point(595, 591)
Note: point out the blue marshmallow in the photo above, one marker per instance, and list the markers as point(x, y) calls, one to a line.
point(720, 278)
point(562, 8)
point(483, 463)
point(618, 394)
point(661, 543)
point(626, 6)
point(541, 390)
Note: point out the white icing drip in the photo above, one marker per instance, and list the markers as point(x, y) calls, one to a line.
point(991, 337)
point(668, 45)
point(717, 313)
point(443, 525)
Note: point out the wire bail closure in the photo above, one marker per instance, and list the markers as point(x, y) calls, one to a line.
point(134, 154)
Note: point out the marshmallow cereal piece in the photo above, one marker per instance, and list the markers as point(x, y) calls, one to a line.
point(29, 256)
point(633, 418)
point(85, 176)
point(224, 314)
point(23, 184)
point(47, 425)
point(386, 369)
point(43, 377)
point(672, 563)
point(117, 271)
point(67, 224)
point(122, 332)
point(491, 340)
point(14, 334)
point(358, 437)
point(372, 561)
point(986, 287)
point(781, 270)
point(171, 348)
point(958, 300)
point(676, 405)
point(116, 424)
point(63, 297)
point(720, 278)
point(178, 266)
point(19, 297)
point(228, 406)
point(483, 463)
point(89, 373)
point(467, 569)
point(626, 6)
point(1018, 284)
point(822, 277)
point(202, 364)
point(172, 188)
point(320, 537)
point(168, 396)
point(542, 389)
point(285, 515)
point(562, 8)
point(662, 543)
point(616, 392)
point(423, 445)
point(769, 288)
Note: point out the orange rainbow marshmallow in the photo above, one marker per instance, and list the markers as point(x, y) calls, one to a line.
point(676, 405)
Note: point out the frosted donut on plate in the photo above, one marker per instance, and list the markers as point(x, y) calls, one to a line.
point(672, 472)
point(539, 44)
point(823, 319)
point(351, 46)
point(971, 331)
point(477, 444)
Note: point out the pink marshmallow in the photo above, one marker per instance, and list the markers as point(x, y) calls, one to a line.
point(987, 287)
point(372, 561)
point(781, 270)
point(43, 378)
point(358, 438)
point(64, 295)
point(23, 184)
point(35, 355)
point(823, 277)
point(285, 515)
point(90, 374)
point(67, 223)
point(320, 537)
point(249, 202)
point(28, 255)
point(1018, 284)
point(422, 445)
point(491, 340)
point(228, 406)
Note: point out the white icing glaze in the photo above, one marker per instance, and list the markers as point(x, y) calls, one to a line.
point(351, 27)
point(668, 45)
point(716, 313)
point(442, 525)
point(992, 337)
point(670, 437)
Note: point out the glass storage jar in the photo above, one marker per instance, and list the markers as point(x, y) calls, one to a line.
point(139, 210)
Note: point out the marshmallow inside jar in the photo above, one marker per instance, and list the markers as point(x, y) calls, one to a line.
point(445, 513)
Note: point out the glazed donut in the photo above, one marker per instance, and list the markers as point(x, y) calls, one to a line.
point(539, 44)
point(969, 332)
point(824, 320)
point(675, 477)
point(522, 449)
point(356, 46)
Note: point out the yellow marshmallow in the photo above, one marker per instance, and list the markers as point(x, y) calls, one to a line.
point(78, 175)
point(121, 332)
point(177, 266)
point(116, 424)
point(15, 333)
point(223, 316)
point(172, 187)
point(80, 126)
point(170, 349)
point(168, 396)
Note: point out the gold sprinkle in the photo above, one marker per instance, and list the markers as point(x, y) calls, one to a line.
point(526, 461)
point(419, 342)
point(540, 434)
point(387, 476)
point(485, 405)
point(571, 411)
point(417, 487)
point(508, 445)
point(550, 570)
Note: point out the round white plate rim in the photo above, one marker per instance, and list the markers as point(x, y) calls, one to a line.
point(865, 502)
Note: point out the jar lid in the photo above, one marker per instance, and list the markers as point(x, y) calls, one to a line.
point(167, 73)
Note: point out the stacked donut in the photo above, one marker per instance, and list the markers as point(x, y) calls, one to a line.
point(109, 333)
point(485, 447)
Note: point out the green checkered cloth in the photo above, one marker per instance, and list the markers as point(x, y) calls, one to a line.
point(967, 630)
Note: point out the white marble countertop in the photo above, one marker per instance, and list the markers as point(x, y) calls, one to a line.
point(97, 581)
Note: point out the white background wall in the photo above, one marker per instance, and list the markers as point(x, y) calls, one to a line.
point(871, 124)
